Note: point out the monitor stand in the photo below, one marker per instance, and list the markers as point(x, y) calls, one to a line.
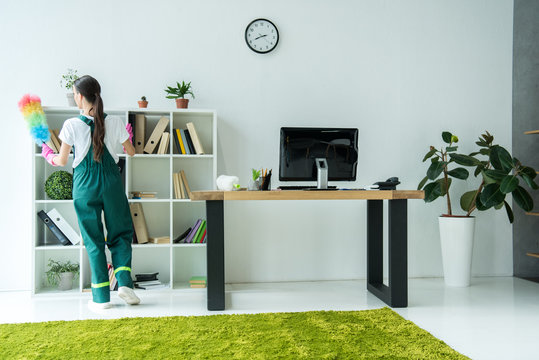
point(322, 175)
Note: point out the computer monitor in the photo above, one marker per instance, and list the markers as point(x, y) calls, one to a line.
point(302, 150)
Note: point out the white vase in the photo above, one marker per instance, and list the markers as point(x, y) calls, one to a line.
point(456, 237)
point(71, 99)
point(66, 281)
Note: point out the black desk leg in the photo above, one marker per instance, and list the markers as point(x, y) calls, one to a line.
point(396, 294)
point(215, 254)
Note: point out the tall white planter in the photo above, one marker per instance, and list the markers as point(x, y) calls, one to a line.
point(456, 236)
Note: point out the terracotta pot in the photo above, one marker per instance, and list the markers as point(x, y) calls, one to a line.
point(182, 103)
point(142, 104)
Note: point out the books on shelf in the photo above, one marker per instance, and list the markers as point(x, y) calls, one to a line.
point(113, 282)
point(148, 281)
point(181, 186)
point(156, 135)
point(187, 141)
point(164, 143)
point(143, 194)
point(197, 282)
point(197, 234)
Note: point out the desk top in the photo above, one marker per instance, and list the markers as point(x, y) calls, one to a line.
point(308, 195)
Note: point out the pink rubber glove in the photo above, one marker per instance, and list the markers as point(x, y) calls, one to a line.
point(48, 154)
point(129, 129)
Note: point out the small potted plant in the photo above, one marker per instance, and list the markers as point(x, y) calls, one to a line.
point(67, 82)
point(254, 181)
point(62, 273)
point(500, 173)
point(142, 103)
point(179, 93)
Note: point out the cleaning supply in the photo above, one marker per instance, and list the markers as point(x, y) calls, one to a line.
point(30, 107)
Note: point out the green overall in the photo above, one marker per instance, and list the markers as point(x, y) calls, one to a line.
point(97, 188)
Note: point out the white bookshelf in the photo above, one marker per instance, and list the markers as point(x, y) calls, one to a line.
point(165, 215)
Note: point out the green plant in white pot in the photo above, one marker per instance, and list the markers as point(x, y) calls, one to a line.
point(62, 273)
point(67, 82)
point(500, 174)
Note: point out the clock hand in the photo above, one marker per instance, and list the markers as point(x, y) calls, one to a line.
point(260, 36)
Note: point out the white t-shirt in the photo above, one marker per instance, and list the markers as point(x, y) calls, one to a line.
point(76, 132)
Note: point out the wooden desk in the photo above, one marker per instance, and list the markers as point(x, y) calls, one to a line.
point(395, 294)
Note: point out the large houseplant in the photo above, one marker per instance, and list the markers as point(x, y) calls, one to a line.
point(179, 93)
point(500, 173)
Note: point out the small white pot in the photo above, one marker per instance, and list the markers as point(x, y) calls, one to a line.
point(66, 281)
point(456, 236)
point(71, 99)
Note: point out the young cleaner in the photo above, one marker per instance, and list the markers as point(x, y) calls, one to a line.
point(98, 188)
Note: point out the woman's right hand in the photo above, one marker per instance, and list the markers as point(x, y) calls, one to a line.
point(48, 154)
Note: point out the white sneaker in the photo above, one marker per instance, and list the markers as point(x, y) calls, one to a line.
point(98, 307)
point(128, 295)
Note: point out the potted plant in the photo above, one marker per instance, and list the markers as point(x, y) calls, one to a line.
point(254, 181)
point(62, 273)
point(67, 82)
point(499, 176)
point(142, 103)
point(179, 93)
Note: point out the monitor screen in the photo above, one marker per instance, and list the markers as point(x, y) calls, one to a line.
point(300, 146)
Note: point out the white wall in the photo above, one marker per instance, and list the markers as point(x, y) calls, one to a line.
point(400, 71)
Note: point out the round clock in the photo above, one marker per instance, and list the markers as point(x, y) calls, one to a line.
point(261, 35)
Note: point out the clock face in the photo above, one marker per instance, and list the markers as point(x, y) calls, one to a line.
point(261, 36)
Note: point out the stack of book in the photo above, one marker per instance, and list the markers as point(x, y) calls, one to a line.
point(60, 228)
point(197, 282)
point(112, 278)
point(187, 140)
point(143, 194)
point(181, 186)
point(197, 235)
point(160, 240)
point(148, 281)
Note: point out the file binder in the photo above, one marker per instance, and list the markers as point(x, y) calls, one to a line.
point(58, 234)
point(156, 135)
point(140, 133)
point(64, 226)
point(139, 222)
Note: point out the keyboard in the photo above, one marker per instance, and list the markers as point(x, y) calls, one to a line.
point(302, 187)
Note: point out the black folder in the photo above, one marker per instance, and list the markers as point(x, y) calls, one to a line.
point(58, 234)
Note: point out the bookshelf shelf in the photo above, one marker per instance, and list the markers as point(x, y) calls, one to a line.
point(164, 215)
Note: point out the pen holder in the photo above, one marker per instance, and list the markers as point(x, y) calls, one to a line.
point(254, 184)
point(266, 182)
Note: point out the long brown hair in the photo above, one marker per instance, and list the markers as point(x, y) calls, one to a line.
point(91, 90)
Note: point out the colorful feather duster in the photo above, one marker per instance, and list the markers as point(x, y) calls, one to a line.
point(30, 107)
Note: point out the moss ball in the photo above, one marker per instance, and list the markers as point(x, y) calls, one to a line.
point(59, 186)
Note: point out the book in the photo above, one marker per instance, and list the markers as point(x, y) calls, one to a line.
point(182, 236)
point(182, 186)
point(140, 222)
point(200, 229)
point(139, 133)
point(181, 140)
point(177, 194)
point(160, 240)
point(194, 137)
point(184, 140)
point(203, 237)
point(113, 282)
point(64, 226)
point(157, 132)
point(198, 285)
point(164, 143)
point(146, 276)
point(197, 280)
point(189, 237)
point(176, 140)
point(150, 287)
point(58, 234)
point(189, 142)
point(185, 183)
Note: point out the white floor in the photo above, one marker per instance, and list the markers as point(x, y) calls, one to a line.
point(495, 318)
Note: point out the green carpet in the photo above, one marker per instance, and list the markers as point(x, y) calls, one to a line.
point(368, 334)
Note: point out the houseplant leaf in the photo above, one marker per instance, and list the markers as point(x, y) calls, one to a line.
point(467, 200)
point(464, 160)
point(501, 159)
point(522, 198)
point(429, 154)
point(422, 183)
point(432, 192)
point(435, 169)
point(443, 187)
point(493, 176)
point(528, 171)
point(509, 183)
point(491, 195)
point(509, 212)
point(446, 136)
point(459, 173)
point(451, 148)
point(529, 181)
